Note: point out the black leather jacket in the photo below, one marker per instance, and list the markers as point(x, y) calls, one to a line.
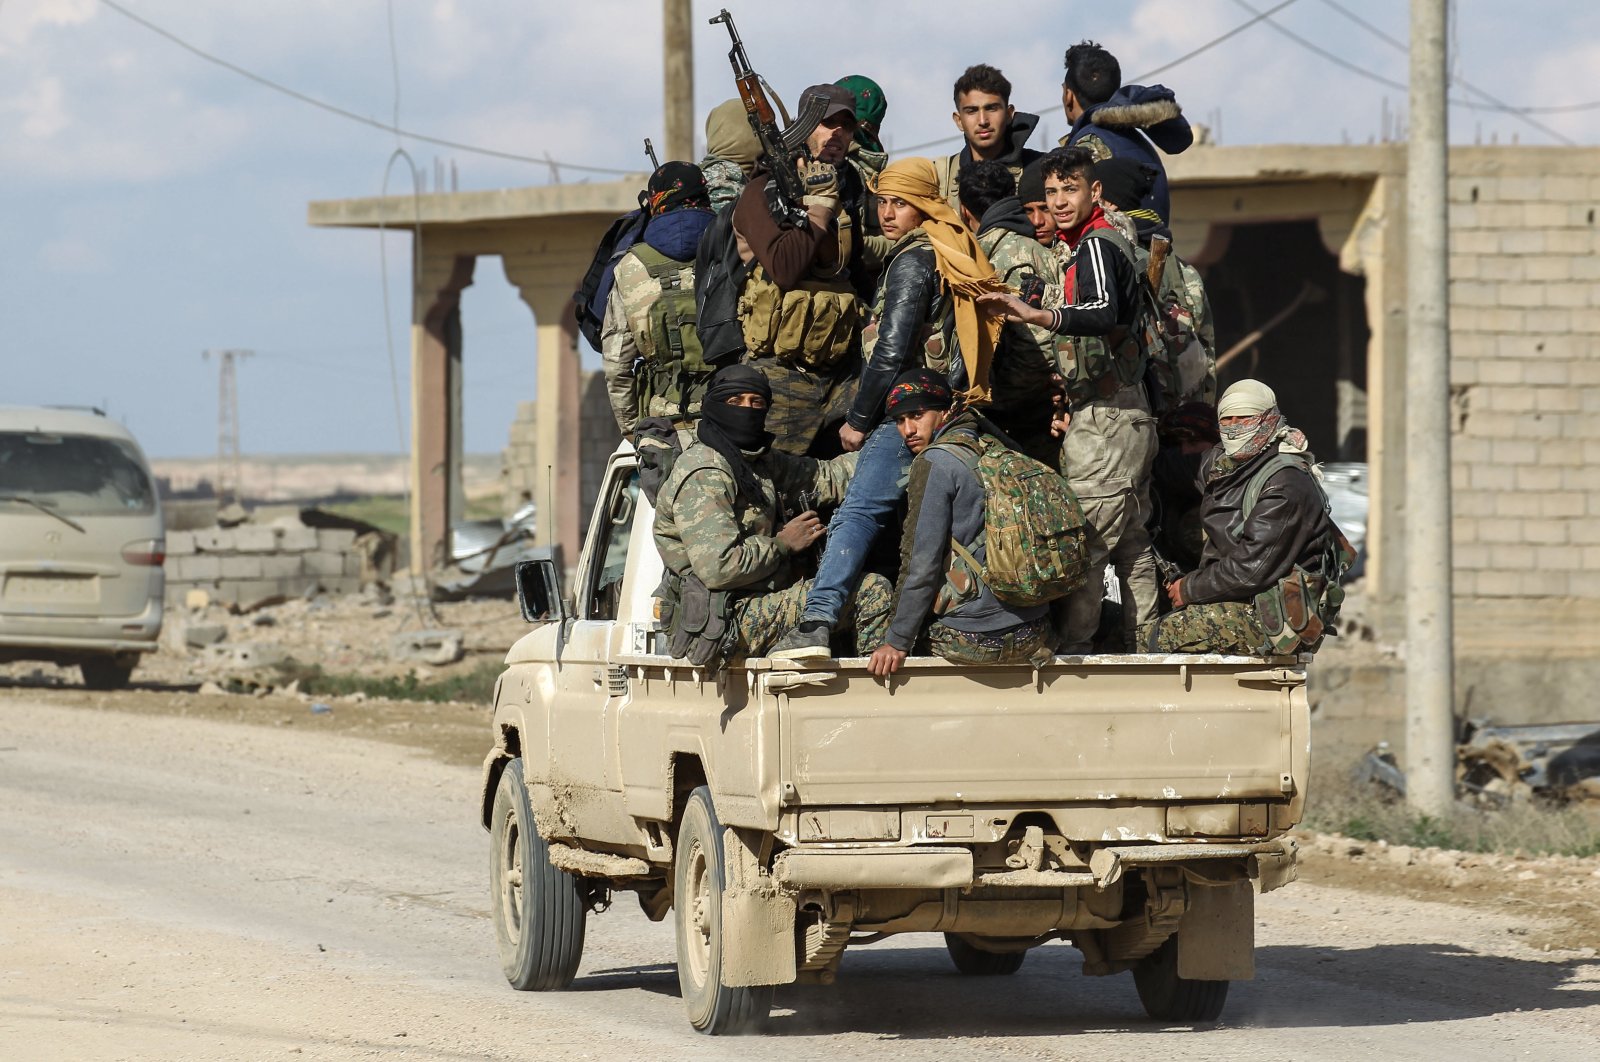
point(1289, 525)
point(910, 308)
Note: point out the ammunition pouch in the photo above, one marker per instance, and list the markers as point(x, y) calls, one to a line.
point(697, 619)
point(1294, 612)
point(812, 326)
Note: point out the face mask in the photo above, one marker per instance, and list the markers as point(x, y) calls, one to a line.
point(1235, 436)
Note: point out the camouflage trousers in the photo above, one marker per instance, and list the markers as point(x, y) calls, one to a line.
point(1106, 458)
point(763, 619)
point(803, 402)
point(1230, 627)
point(1030, 642)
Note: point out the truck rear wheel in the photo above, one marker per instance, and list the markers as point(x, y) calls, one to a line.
point(975, 962)
point(1168, 997)
point(700, 876)
point(538, 910)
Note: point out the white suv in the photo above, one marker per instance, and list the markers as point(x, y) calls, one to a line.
point(81, 544)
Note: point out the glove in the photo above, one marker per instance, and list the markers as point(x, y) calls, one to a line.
point(821, 181)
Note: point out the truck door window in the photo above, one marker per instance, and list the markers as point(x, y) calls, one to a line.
point(611, 557)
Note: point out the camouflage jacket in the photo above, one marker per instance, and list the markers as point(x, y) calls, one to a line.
point(724, 180)
point(704, 525)
point(625, 338)
point(1026, 356)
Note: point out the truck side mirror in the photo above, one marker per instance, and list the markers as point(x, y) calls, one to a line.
point(539, 591)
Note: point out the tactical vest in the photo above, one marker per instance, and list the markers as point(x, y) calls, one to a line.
point(812, 326)
point(1104, 365)
point(673, 367)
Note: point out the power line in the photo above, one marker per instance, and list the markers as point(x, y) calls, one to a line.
point(1370, 75)
point(1339, 60)
point(323, 105)
point(1163, 68)
point(1493, 104)
point(1206, 47)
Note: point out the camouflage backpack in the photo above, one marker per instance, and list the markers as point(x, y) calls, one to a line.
point(1185, 363)
point(1034, 535)
point(1104, 365)
point(675, 368)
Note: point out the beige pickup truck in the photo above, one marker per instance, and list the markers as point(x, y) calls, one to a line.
point(1128, 805)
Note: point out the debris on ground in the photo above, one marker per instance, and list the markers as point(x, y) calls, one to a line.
point(1497, 766)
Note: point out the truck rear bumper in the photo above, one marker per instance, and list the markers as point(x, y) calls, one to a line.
point(875, 868)
point(1271, 863)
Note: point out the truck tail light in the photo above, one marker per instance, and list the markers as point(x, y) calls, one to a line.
point(150, 552)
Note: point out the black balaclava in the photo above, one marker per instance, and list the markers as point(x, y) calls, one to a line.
point(734, 431)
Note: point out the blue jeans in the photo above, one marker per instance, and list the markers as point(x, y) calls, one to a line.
point(869, 502)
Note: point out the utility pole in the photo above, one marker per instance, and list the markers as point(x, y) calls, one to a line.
point(1430, 625)
point(677, 64)
point(228, 464)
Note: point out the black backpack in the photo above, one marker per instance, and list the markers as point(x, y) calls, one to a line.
point(719, 276)
point(592, 293)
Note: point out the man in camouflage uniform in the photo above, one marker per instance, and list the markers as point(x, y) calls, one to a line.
point(1125, 121)
point(636, 372)
point(1256, 536)
point(719, 517)
point(1023, 378)
point(731, 151)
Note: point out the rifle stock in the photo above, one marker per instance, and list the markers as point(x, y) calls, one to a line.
point(1160, 247)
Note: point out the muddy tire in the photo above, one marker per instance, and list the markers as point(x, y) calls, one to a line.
point(105, 672)
point(538, 910)
point(975, 962)
point(700, 876)
point(1168, 997)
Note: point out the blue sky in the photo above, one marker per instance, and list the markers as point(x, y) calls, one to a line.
point(155, 204)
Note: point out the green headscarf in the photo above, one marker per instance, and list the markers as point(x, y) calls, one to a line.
point(870, 109)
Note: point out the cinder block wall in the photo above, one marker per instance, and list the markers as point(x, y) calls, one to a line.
point(1525, 374)
point(249, 564)
point(521, 471)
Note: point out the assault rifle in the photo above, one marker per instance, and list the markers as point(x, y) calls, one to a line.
point(650, 150)
point(784, 148)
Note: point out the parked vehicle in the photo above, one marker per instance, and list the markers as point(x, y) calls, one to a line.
point(1130, 805)
point(81, 544)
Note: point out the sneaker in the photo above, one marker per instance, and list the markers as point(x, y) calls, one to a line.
point(809, 641)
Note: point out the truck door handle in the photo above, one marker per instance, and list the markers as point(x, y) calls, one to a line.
point(599, 676)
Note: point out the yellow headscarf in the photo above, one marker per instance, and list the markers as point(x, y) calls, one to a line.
point(962, 264)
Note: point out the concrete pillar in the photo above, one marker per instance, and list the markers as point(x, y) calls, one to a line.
point(1376, 250)
point(1430, 626)
point(677, 63)
point(436, 405)
point(556, 491)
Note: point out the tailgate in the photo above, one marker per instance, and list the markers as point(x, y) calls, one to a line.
point(1124, 729)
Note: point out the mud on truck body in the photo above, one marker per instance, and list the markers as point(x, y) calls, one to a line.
point(1129, 805)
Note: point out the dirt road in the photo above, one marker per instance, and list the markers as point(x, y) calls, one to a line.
point(189, 888)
